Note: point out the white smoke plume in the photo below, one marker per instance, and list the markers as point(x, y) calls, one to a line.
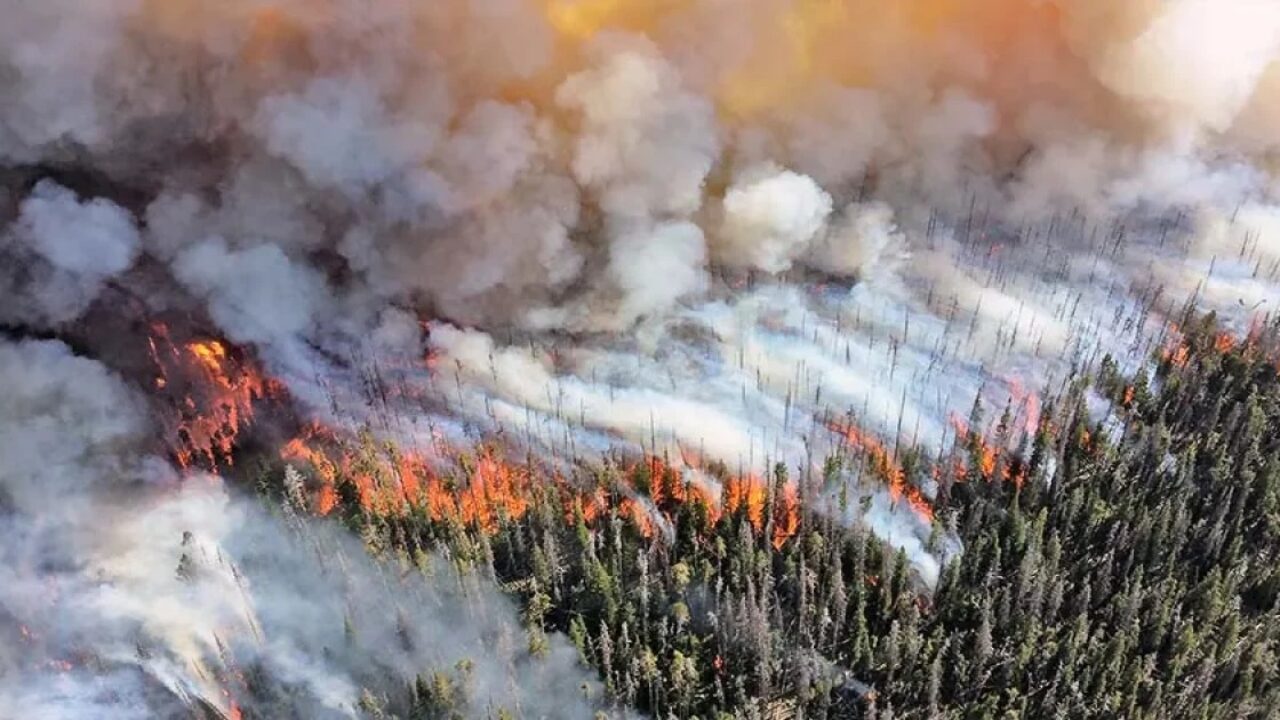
point(691, 226)
point(771, 219)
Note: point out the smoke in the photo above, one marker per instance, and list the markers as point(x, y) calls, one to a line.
point(129, 593)
point(771, 219)
point(861, 242)
point(255, 295)
point(1198, 61)
point(62, 252)
point(695, 227)
point(674, 251)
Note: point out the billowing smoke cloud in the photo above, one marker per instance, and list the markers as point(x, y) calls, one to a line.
point(60, 252)
point(770, 220)
point(127, 593)
point(691, 227)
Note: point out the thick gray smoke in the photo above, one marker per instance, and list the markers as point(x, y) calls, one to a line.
point(60, 251)
point(679, 226)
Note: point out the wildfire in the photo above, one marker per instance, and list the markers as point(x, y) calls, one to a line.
point(495, 490)
point(747, 493)
point(1178, 346)
point(213, 388)
point(1178, 357)
point(482, 489)
point(787, 516)
point(212, 395)
point(638, 514)
point(1027, 404)
point(987, 456)
point(1175, 350)
point(886, 466)
point(750, 495)
point(481, 492)
point(303, 449)
point(1224, 343)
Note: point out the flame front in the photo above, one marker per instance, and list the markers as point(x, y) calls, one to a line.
point(212, 396)
point(885, 465)
point(482, 489)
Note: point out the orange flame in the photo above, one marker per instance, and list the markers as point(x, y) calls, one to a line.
point(1175, 350)
point(786, 519)
point(638, 514)
point(496, 490)
point(988, 464)
point(300, 449)
point(669, 488)
point(988, 455)
point(747, 493)
point(482, 489)
point(1027, 404)
point(1224, 343)
point(213, 396)
point(886, 466)
point(488, 489)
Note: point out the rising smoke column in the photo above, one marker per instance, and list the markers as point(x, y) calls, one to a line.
point(692, 226)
